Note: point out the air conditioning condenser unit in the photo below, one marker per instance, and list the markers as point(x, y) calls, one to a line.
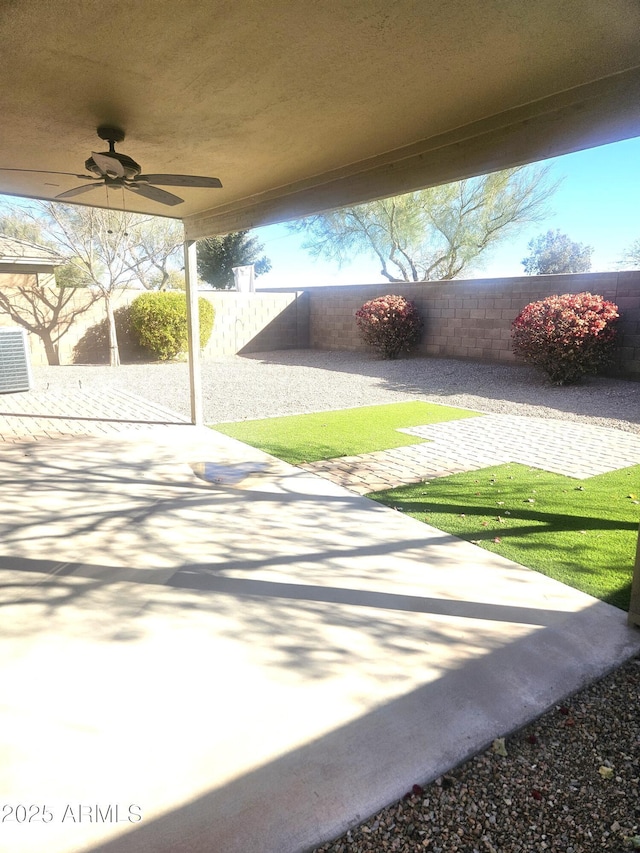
point(15, 366)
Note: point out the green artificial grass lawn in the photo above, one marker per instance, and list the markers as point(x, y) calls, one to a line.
point(583, 533)
point(347, 432)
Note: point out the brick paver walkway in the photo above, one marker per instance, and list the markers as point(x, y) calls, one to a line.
point(50, 414)
point(562, 447)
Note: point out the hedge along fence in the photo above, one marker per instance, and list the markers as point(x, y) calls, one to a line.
point(567, 336)
point(472, 319)
point(161, 324)
point(390, 324)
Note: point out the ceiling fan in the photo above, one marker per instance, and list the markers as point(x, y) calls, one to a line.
point(115, 170)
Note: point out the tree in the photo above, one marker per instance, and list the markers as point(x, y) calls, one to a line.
point(171, 280)
point(553, 253)
point(155, 251)
point(436, 233)
point(631, 256)
point(218, 255)
point(96, 242)
point(104, 249)
point(19, 225)
point(46, 311)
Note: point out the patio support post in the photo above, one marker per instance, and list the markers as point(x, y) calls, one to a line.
point(193, 324)
point(634, 607)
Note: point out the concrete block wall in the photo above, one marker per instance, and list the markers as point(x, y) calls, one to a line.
point(627, 299)
point(244, 322)
point(82, 308)
point(463, 319)
point(257, 322)
point(472, 319)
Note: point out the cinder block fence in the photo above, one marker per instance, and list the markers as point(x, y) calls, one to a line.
point(472, 319)
point(463, 319)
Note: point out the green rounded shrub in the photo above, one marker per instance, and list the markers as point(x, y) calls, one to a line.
point(160, 321)
point(566, 336)
point(390, 324)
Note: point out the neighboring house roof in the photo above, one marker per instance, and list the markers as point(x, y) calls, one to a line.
point(20, 253)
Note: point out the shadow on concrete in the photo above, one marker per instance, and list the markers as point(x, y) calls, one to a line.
point(206, 579)
point(314, 793)
point(119, 555)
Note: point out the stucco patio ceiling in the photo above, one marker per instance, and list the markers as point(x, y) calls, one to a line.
point(299, 106)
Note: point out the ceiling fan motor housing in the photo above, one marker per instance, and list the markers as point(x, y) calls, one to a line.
point(131, 168)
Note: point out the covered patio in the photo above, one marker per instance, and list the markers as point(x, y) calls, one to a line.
point(206, 649)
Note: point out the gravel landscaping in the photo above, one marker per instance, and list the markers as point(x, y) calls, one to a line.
point(298, 381)
point(569, 781)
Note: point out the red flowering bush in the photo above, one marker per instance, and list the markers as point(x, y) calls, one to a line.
point(391, 324)
point(567, 336)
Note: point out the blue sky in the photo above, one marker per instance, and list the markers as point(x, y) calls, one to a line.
point(597, 203)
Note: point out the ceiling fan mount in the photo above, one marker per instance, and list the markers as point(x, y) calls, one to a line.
point(110, 133)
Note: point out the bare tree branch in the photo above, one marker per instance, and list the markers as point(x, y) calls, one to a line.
point(104, 250)
point(436, 233)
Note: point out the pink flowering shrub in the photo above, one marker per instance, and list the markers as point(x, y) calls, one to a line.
point(391, 324)
point(566, 336)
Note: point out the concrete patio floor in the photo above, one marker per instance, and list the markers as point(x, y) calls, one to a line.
point(248, 657)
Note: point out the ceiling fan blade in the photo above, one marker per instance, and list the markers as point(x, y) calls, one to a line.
point(180, 180)
point(48, 172)
point(153, 193)
point(77, 191)
point(109, 166)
